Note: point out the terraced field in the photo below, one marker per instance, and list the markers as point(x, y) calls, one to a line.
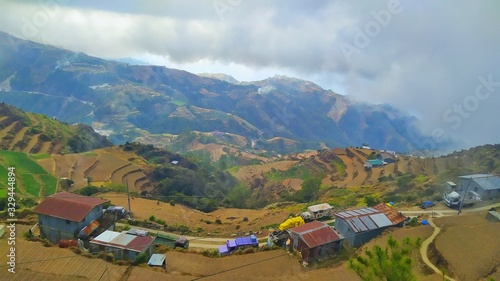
point(247, 172)
point(31, 178)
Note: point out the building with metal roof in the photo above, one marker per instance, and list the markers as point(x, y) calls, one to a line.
point(315, 240)
point(486, 185)
point(158, 260)
point(63, 215)
point(123, 245)
point(361, 225)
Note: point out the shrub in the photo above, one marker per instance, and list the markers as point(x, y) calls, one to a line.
point(152, 218)
point(141, 258)
point(245, 219)
point(248, 250)
point(172, 202)
point(218, 221)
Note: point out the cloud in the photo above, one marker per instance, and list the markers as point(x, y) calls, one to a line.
point(422, 56)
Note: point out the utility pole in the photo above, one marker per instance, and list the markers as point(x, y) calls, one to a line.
point(463, 197)
point(128, 197)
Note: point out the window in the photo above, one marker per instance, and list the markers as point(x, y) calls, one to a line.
point(68, 222)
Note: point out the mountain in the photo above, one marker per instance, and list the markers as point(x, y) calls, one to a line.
point(35, 133)
point(131, 101)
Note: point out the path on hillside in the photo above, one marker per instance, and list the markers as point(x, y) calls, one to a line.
point(424, 248)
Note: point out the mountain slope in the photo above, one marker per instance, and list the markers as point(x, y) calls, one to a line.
point(132, 101)
point(36, 133)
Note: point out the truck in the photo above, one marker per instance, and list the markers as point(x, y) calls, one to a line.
point(454, 198)
point(280, 235)
point(318, 211)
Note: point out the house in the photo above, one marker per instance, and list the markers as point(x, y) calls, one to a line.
point(361, 225)
point(63, 215)
point(487, 186)
point(122, 244)
point(396, 217)
point(373, 163)
point(315, 240)
point(386, 157)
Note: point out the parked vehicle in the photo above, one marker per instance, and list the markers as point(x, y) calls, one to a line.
point(454, 199)
point(427, 204)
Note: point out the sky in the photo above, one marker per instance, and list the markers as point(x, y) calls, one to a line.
point(437, 60)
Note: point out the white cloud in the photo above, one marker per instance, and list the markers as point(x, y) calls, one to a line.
point(425, 58)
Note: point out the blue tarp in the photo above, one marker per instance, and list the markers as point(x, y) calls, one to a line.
point(425, 222)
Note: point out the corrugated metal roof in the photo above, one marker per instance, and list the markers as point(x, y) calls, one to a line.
point(68, 206)
point(392, 214)
point(157, 260)
point(488, 183)
point(316, 233)
point(107, 236)
point(356, 213)
point(368, 222)
point(358, 224)
point(380, 220)
point(123, 240)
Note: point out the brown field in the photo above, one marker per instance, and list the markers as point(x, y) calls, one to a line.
point(107, 164)
point(295, 184)
point(6, 130)
point(82, 163)
point(118, 176)
point(18, 137)
point(142, 209)
point(471, 246)
point(49, 165)
point(31, 144)
point(36, 262)
point(247, 172)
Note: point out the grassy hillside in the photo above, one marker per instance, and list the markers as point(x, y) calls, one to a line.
point(31, 178)
point(35, 133)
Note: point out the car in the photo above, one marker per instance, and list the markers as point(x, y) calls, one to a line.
point(427, 204)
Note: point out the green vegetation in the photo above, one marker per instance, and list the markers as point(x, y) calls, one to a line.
point(310, 189)
point(30, 176)
point(40, 156)
point(393, 263)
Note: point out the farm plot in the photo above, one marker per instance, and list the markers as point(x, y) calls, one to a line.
point(248, 172)
point(18, 137)
point(33, 259)
point(31, 177)
point(64, 165)
point(7, 129)
point(31, 144)
point(134, 178)
point(105, 167)
point(82, 163)
point(470, 245)
point(118, 176)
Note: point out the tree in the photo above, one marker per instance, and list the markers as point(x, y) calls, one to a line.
point(393, 263)
point(370, 200)
point(238, 197)
point(310, 189)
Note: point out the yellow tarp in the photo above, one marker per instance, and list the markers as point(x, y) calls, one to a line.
point(291, 222)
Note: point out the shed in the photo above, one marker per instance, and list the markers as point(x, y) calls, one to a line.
point(486, 185)
point(321, 210)
point(158, 260)
point(386, 157)
point(63, 215)
point(315, 240)
point(122, 245)
point(361, 225)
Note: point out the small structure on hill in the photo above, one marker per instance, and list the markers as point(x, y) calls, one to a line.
point(318, 211)
point(159, 260)
point(122, 244)
point(359, 226)
point(386, 157)
point(373, 163)
point(63, 215)
point(315, 240)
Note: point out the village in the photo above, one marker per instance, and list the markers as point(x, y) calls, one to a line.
point(318, 234)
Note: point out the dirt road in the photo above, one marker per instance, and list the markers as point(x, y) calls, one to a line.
point(425, 246)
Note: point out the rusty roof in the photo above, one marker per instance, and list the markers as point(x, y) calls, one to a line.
point(392, 214)
point(123, 240)
point(316, 233)
point(68, 206)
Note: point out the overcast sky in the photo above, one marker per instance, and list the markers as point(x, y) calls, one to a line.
point(424, 57)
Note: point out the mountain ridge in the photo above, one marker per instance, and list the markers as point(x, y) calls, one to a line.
point(129, 100)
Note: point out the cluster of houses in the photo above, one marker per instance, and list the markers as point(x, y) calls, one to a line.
point(68, 217)
point(384, 157)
